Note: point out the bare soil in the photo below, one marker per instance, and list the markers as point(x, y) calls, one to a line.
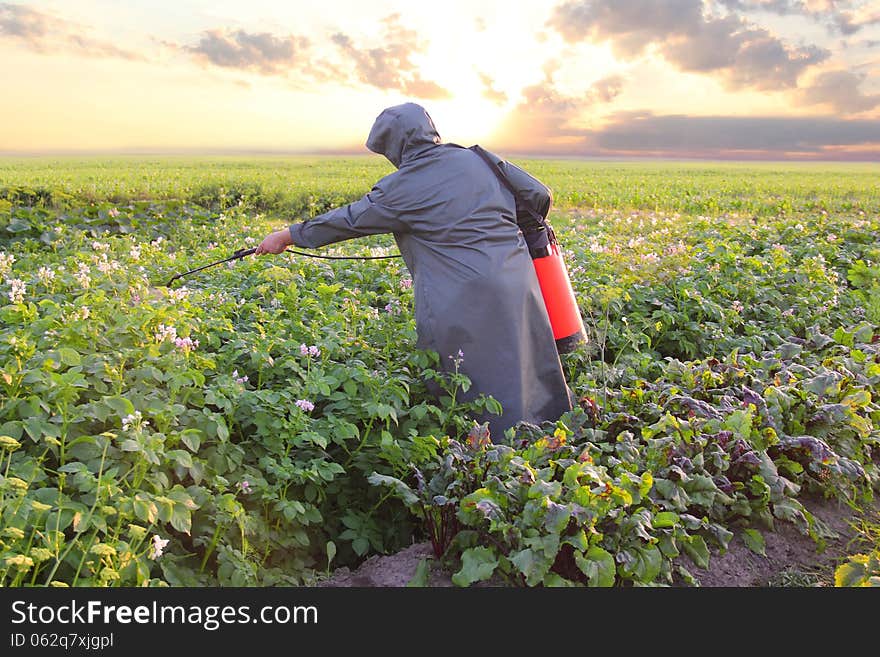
point(392, 570)
point(791, 559)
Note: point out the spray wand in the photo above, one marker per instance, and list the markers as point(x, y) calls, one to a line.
point(241, 253)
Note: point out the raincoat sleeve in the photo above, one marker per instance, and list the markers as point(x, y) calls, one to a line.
point(369, 215)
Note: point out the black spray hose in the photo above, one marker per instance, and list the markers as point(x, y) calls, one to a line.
point(241, 253)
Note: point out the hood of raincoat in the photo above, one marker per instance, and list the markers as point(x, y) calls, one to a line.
point(402, 132)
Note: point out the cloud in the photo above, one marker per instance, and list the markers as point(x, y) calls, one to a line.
point(543, 118)
point(742, 54)
point(606, 89)
point(641, 133)
point(631, 25)
point(45, 33)
point(390, 65)
point(845, 17)
point(850, 22)
point(490, 92)
point(260, 52)
point(419, 88)
point(840, 90)
point(783, 7)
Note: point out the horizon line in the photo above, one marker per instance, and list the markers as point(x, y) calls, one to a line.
point(864, 157)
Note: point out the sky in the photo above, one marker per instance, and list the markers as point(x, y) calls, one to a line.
point(732, 79)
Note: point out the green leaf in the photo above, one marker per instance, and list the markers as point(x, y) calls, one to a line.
point(532, 564)
point(181, 496)
point(649, 563)
point(577, 540)
point(556, 581)
point(327, 292)
point(401, 490)
point(18, 225)
point(420, 577)
point(541, 488)
point(477, 564)
point(69, 356)
point(556, 518)
point(73, 468)
point(36, 428)
point(145, 509)
point(857, 399)
point(598, 566)
point(851, 573)
point(672, 494)
point(791, 510)
point(121, 405)
point(721, 534)
point(165, 507)
point(668, 546)
point(740, 422)
point(754, 540)
point(822, 384)
point(222, 429)
point(181, 518)
point(701, 489)
point(665, 519)
point(180, 457)
point(841, 336)
point(192, 438)
point(313, 437)
point(331, 552)
point(645, 483)
point(789, 350)
point(59, 520)
point(695, 548)
point(360, 545)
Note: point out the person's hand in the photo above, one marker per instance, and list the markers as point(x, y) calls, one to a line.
point(275, 243)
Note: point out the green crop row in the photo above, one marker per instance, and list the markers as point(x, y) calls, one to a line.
point(305, 186)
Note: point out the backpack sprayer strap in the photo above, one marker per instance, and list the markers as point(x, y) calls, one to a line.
point(535, 230)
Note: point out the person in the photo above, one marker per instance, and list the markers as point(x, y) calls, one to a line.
point(477, 297)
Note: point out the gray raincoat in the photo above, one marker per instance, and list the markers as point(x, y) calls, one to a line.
point(475, 286)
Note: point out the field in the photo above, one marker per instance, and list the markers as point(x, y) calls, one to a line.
point(265, 422)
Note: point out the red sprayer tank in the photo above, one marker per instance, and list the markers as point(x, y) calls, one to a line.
point(562, 307)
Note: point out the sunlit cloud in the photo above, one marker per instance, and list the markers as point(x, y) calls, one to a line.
point(606, 89)
point(838, 15)
point(739, 53)
point(48, 34)
point(490, 92)
point(332, 58)
point(851, 22)
point(261, 52)
point(390, 65)
point(840, 90)
point(545, 118)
